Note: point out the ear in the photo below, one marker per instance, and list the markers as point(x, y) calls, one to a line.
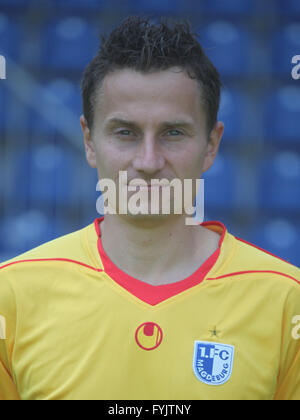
point(213, 145)
point(88, 143)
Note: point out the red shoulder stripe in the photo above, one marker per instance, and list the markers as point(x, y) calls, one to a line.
point(53, 259)
point(237, 273)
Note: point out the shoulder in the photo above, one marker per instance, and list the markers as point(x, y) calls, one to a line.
point(262, 264)
point(241, 259)
point(68, 248)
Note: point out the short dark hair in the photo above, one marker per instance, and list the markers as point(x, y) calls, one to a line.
point(141, 45)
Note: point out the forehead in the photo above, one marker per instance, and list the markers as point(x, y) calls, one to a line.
point(168, 93)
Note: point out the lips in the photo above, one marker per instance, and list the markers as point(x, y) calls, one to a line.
point(147, 187)
point(135, 183)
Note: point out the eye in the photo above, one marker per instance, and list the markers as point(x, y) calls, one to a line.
point(174, 133)
point(124, 132)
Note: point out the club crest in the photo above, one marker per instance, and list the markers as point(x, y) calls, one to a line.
point(213, 362)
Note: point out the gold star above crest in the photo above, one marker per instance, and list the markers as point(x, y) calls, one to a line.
point(214, 332)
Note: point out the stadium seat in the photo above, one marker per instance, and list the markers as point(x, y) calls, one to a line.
point(279, 181)
point(44, 176)
point(154, 6)
point(5, 254)
point(59, 104)
point(80, 6)
point(3, 105)
point(280, 236)
point(285, 44)
point(219, 187)
point(15, 5)
point(290, 7)
point(26, 231)
point(231, 112)
point(85, 180)
point(10, 37)
point(281, 112)
point(68, 44)
point(224, 8)
point(228, 46)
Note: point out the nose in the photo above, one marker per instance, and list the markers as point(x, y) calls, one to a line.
point(149, 158)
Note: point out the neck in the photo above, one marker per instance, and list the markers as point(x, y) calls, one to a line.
point(147, 249)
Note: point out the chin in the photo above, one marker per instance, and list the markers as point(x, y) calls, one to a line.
point(148, 220)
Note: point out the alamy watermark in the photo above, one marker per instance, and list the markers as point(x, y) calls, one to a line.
point(296, 329)
point(156, 198)
point(296, 68)
point(2, 67)
point(2, 328)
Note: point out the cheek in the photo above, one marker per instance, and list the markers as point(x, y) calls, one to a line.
point(110, 161)
point(189, 164)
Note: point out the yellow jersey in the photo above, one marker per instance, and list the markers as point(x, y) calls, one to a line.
point(73, 326)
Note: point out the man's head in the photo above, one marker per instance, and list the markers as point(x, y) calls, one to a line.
point(140, 45)
point(150, 106)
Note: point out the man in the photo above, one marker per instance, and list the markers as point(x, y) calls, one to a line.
point(144, 306)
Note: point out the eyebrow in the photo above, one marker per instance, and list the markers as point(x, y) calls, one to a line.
point(176, 123)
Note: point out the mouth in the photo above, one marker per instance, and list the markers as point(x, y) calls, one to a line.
point(147, 187)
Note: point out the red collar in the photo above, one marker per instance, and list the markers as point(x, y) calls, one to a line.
point(156, 294)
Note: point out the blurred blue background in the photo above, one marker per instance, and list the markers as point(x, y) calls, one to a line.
point(47, 189)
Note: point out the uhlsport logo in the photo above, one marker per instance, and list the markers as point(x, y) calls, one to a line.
point(213, 362)
point(148, 336)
